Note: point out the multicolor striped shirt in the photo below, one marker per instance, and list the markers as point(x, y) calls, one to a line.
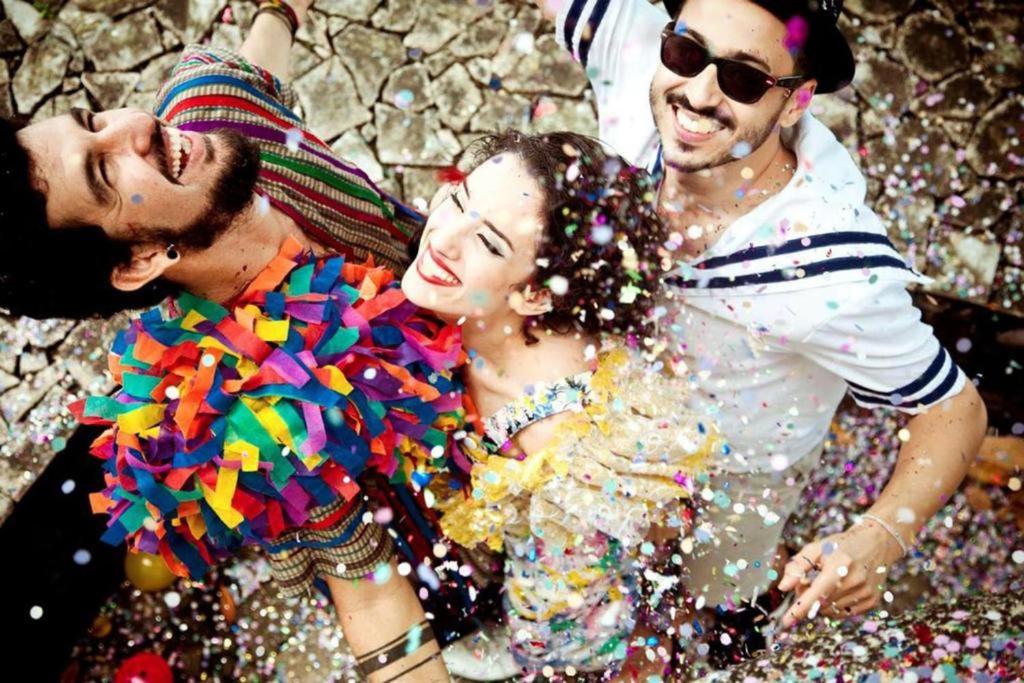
point(331, 200)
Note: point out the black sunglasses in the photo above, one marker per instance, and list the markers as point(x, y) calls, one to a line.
point(684, 56)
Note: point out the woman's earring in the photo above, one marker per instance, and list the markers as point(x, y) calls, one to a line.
point(172, 253)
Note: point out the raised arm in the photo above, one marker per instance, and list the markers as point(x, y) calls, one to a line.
point(889, 358)
point(269, 41)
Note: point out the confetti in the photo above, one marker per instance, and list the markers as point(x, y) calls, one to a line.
point(382, 574)
point(797, 32)
point(602, 234)
point(523, 42)
point(905, 515)
point(414, 639)
point(292, 139)
point(558, 285)
point(545, 107)
point(404, 98)
point(740, 150)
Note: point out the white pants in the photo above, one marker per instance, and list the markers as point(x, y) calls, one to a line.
point(738, 527)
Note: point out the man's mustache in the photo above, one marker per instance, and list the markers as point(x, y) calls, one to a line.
point(680, 100)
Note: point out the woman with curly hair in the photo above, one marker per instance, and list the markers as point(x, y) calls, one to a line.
point(547, 253)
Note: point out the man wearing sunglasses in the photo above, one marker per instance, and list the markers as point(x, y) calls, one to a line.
point(788, 293)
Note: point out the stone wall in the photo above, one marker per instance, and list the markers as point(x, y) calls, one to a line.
point(937, 126)
point(402, 86)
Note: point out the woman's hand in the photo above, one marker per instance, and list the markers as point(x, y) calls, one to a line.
point(840, 575)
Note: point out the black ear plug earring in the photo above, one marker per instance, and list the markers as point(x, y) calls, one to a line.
point(172, 253)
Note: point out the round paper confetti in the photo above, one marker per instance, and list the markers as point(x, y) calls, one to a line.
point(558, 285)
point(404, 99)
point(740, 149)
point(602, 234)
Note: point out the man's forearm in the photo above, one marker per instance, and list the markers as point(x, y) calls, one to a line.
point(385, 626)
point(269, 42)
point(932, 462)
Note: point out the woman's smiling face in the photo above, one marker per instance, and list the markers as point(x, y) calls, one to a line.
point(479, 244)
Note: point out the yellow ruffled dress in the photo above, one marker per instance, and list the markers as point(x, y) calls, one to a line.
point(573, 516)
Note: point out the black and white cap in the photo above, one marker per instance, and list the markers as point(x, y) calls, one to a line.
point(827, 53)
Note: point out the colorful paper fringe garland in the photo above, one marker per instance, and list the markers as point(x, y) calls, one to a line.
point(233, 424)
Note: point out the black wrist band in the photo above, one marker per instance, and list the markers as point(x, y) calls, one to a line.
point(393, 651)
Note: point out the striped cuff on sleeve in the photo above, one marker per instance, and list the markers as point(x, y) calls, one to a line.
point(941, 380)
point(577, 25)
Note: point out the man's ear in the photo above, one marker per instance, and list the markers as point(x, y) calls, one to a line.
point(149, 261)
point(799, 101)
point(529, 302)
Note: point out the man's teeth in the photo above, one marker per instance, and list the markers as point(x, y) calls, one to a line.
point(179, 147)
point(431, 269)
point(697, 124)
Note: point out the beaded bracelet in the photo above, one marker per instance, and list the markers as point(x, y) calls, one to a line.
point(888, 527)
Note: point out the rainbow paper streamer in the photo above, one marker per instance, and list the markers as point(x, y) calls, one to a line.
point(233, 422)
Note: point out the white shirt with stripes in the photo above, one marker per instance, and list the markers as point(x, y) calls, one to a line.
point(799, 302)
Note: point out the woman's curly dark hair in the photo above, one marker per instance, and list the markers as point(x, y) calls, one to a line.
point(599, 253)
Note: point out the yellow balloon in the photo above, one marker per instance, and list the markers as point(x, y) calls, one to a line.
point(101, 626)
point(148, 572)
point(227, 605)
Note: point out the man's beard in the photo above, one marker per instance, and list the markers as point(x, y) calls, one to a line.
point(754, 137)
point(230, 196)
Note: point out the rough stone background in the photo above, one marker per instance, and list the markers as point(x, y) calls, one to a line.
point(402, 86)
